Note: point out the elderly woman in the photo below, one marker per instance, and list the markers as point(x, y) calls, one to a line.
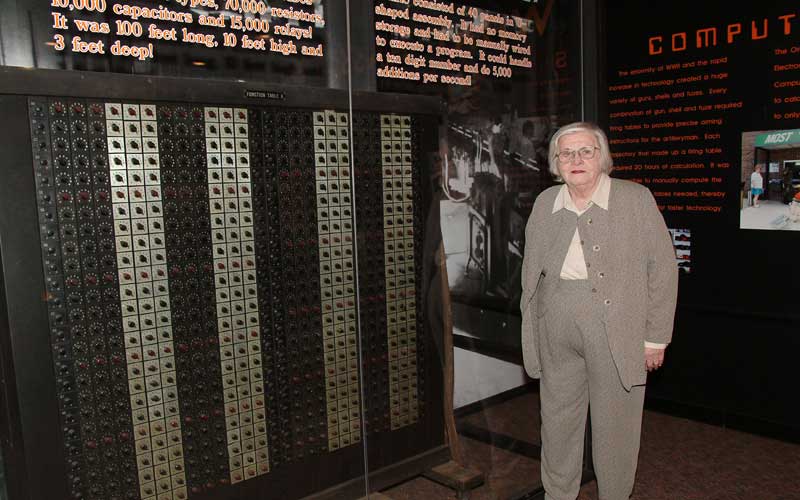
point(599, 287)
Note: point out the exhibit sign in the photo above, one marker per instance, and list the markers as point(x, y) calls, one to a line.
point(445, 42)
point(128, 30)
point(286, 39)
point(702, 106)
point(509, 75)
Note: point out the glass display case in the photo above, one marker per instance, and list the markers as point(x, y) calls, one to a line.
point(272, 249)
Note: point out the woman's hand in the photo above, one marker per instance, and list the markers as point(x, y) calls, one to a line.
point(653, 358)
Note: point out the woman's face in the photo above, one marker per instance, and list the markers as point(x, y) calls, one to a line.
point(578, 172)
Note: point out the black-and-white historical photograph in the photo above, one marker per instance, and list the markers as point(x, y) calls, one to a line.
point(494, 168)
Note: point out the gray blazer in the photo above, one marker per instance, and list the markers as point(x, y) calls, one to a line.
point(635, 274)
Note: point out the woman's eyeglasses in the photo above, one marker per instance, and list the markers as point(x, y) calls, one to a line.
point(586, 153)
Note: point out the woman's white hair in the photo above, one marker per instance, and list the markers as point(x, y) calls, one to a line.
point(606, 163)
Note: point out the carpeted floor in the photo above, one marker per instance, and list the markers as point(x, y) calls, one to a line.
point(679, 460)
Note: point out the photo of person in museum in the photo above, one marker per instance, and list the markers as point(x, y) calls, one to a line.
point(794, 209)
point(770, 179)
point(756, 185)
point(599, 291)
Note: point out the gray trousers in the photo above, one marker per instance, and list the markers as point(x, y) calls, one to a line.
point(577, 370)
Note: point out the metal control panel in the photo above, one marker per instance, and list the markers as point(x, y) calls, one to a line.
point(233, 294)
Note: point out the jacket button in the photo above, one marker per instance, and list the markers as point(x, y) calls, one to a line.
point(601, 275)
point(596, 248)
point(589, 221)
point(607, 302)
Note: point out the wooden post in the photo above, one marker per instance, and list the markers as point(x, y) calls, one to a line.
point(453, 474)
point(447, 353)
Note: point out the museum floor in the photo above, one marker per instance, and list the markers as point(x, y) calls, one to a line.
point(680, 460)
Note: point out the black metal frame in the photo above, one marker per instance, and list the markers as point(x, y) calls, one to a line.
point(32, 415)
point(46, 82)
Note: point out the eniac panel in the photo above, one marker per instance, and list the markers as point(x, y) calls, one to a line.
point(209, 297)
